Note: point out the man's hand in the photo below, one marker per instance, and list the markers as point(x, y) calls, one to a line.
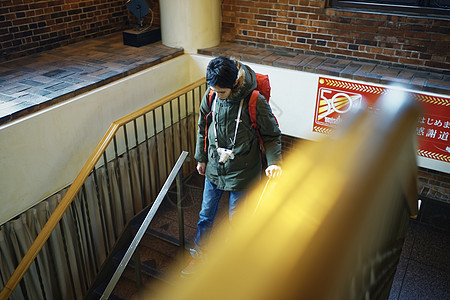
point(201, 167)
point(272, 171)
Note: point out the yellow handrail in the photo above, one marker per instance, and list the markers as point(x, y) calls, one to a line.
point(56, 216)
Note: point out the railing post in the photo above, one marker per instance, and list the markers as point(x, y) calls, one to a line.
point(137, 269)
point(180, 210)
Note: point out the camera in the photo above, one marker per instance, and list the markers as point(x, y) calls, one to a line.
point(224, 155)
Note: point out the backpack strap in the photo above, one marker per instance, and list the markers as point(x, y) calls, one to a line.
point(252, 113)
point(210, 96)
point(252, 107)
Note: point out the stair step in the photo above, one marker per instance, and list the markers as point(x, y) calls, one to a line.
point(159, 252)
point(127, 286)
point(98, 292)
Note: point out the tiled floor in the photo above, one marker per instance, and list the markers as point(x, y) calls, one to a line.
point(424, 268)
point(32, 83)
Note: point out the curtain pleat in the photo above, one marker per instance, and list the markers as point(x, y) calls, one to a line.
point(85, 240)
point(119, 216)
point(43, 257)
point(96, 224)
point(152, 156)
point(126, 188)
point(107, 209)
point(71, 243)
point(135, 181)
point(78, 247)
point(57, 251)
point(20, 241)
point(8, 263)
point(144, 173)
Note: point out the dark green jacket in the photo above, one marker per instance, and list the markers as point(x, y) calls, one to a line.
point(246, 167)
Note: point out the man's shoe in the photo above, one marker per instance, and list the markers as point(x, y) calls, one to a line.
point(191, 268)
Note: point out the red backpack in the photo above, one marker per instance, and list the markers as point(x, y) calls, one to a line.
point(263, 88)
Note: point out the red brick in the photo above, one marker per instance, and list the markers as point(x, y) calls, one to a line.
point(375, 50)
point(439, 65)
point(280, 43)
point(390, 52)
point(386, 58)
point(321, 37)
point(322, 49)
point(300, 46)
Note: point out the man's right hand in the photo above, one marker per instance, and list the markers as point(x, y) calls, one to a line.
point(201, 167)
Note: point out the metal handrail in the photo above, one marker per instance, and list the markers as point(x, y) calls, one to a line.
point(142, 229)
point(73, 190)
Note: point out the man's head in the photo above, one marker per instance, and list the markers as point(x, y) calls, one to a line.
point(221, 75)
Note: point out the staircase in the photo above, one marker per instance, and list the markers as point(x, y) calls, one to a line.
point(159, 248)
point(156, 255)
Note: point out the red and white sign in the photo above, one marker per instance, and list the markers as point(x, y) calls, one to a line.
point(335, 98)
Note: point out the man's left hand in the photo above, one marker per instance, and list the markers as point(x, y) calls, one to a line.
point(273, 171)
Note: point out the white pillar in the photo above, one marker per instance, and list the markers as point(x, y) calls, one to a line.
point(190, 24)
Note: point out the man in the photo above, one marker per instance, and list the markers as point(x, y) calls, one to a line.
point(228, 150)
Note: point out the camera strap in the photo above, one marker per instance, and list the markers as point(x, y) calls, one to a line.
point(237, 122)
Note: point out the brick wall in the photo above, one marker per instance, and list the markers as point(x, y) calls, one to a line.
point(288, 143)
point(434, 185)
point(308, 26)
point(32, 26)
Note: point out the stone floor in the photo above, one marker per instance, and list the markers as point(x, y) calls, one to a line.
point(424, 268)
point(40, 80)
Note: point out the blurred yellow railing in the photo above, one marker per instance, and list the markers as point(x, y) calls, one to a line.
point(332, 227)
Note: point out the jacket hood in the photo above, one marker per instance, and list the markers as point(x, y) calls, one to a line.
point(246, 83)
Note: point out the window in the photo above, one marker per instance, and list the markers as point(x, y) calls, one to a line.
point(414, 7)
